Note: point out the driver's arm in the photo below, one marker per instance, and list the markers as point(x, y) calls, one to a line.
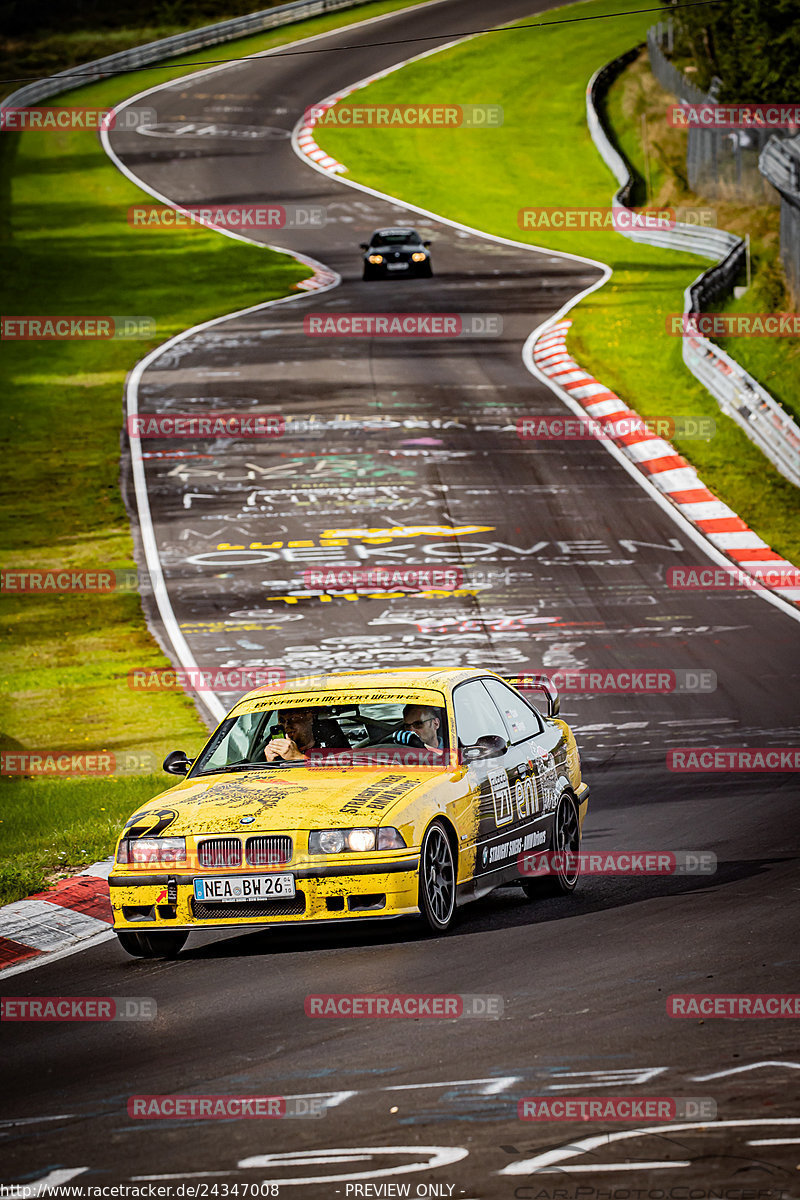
point(283, 748)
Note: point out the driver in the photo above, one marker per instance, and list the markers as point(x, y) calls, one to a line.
point(303, 734)
point(298, 724)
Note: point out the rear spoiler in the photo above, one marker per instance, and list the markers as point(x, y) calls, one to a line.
point(542, 683)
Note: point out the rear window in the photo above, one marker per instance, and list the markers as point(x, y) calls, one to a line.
point(396, 238)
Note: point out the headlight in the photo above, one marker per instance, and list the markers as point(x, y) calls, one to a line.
point(418, 257)
point(375, 258)
point(339, 841)
point(169, 851)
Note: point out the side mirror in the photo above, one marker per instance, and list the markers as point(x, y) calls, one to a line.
point(490, 746)
point(176, 763)
point(426, 243)
point(364, 245)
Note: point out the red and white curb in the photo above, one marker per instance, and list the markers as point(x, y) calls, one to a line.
point(322, 278)
point(48, 924)
point(308, 146)
point(674, 477)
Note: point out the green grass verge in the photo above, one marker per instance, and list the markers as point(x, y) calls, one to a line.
point(543, 156)
point(51, 827)
point(67, 248)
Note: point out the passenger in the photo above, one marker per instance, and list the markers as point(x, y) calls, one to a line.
point(422, 722)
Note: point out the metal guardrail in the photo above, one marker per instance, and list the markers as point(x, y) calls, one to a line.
point(738, 394)
point(169, 47)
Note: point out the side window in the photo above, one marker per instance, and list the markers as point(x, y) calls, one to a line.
point(476, 715)
point(522, 721)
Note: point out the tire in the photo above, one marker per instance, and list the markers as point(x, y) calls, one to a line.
point(153, 945)
point(437, 879)
point(566, 841)
point(425, 273)
point(369, 275)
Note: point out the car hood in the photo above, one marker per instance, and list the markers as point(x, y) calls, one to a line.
point(286, 799)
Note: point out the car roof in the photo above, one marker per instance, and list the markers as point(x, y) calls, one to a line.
point(443, 680)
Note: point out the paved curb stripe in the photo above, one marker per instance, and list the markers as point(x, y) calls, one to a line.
point(670, 472)
point(75, 909)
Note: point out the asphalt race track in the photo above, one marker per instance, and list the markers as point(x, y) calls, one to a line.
point(401, 452)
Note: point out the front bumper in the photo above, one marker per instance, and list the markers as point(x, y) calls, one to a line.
point(165, 900)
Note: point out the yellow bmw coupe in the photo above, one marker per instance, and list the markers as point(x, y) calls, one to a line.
point(356, 796)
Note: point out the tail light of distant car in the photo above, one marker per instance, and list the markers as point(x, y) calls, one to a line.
point(169, 851)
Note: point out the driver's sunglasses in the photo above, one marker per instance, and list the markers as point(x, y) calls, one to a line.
point(418, 724)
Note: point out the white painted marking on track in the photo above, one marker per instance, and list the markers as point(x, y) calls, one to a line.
point(440, 1156)
point(489, 1087)
point(15, 1121)
point(53, 1179)
point(756, 1066)
point(774, 1142)
point(551, 1162)
point(613, 1077)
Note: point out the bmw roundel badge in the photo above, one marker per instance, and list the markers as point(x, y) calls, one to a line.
point(247, 820)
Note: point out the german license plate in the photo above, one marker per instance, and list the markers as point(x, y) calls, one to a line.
point(397, 266)
point(232, 889)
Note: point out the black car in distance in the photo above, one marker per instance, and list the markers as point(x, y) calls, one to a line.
point(398, 251)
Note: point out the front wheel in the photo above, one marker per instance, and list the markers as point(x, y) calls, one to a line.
point(437, 879)
point(152, 945)
point(564, 860)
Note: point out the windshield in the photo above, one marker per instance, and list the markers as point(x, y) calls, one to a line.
point(295, 734)
point(396, 238)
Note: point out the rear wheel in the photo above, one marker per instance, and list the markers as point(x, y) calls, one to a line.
point(437, 879)
point(564, 854)
point(153, 945)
